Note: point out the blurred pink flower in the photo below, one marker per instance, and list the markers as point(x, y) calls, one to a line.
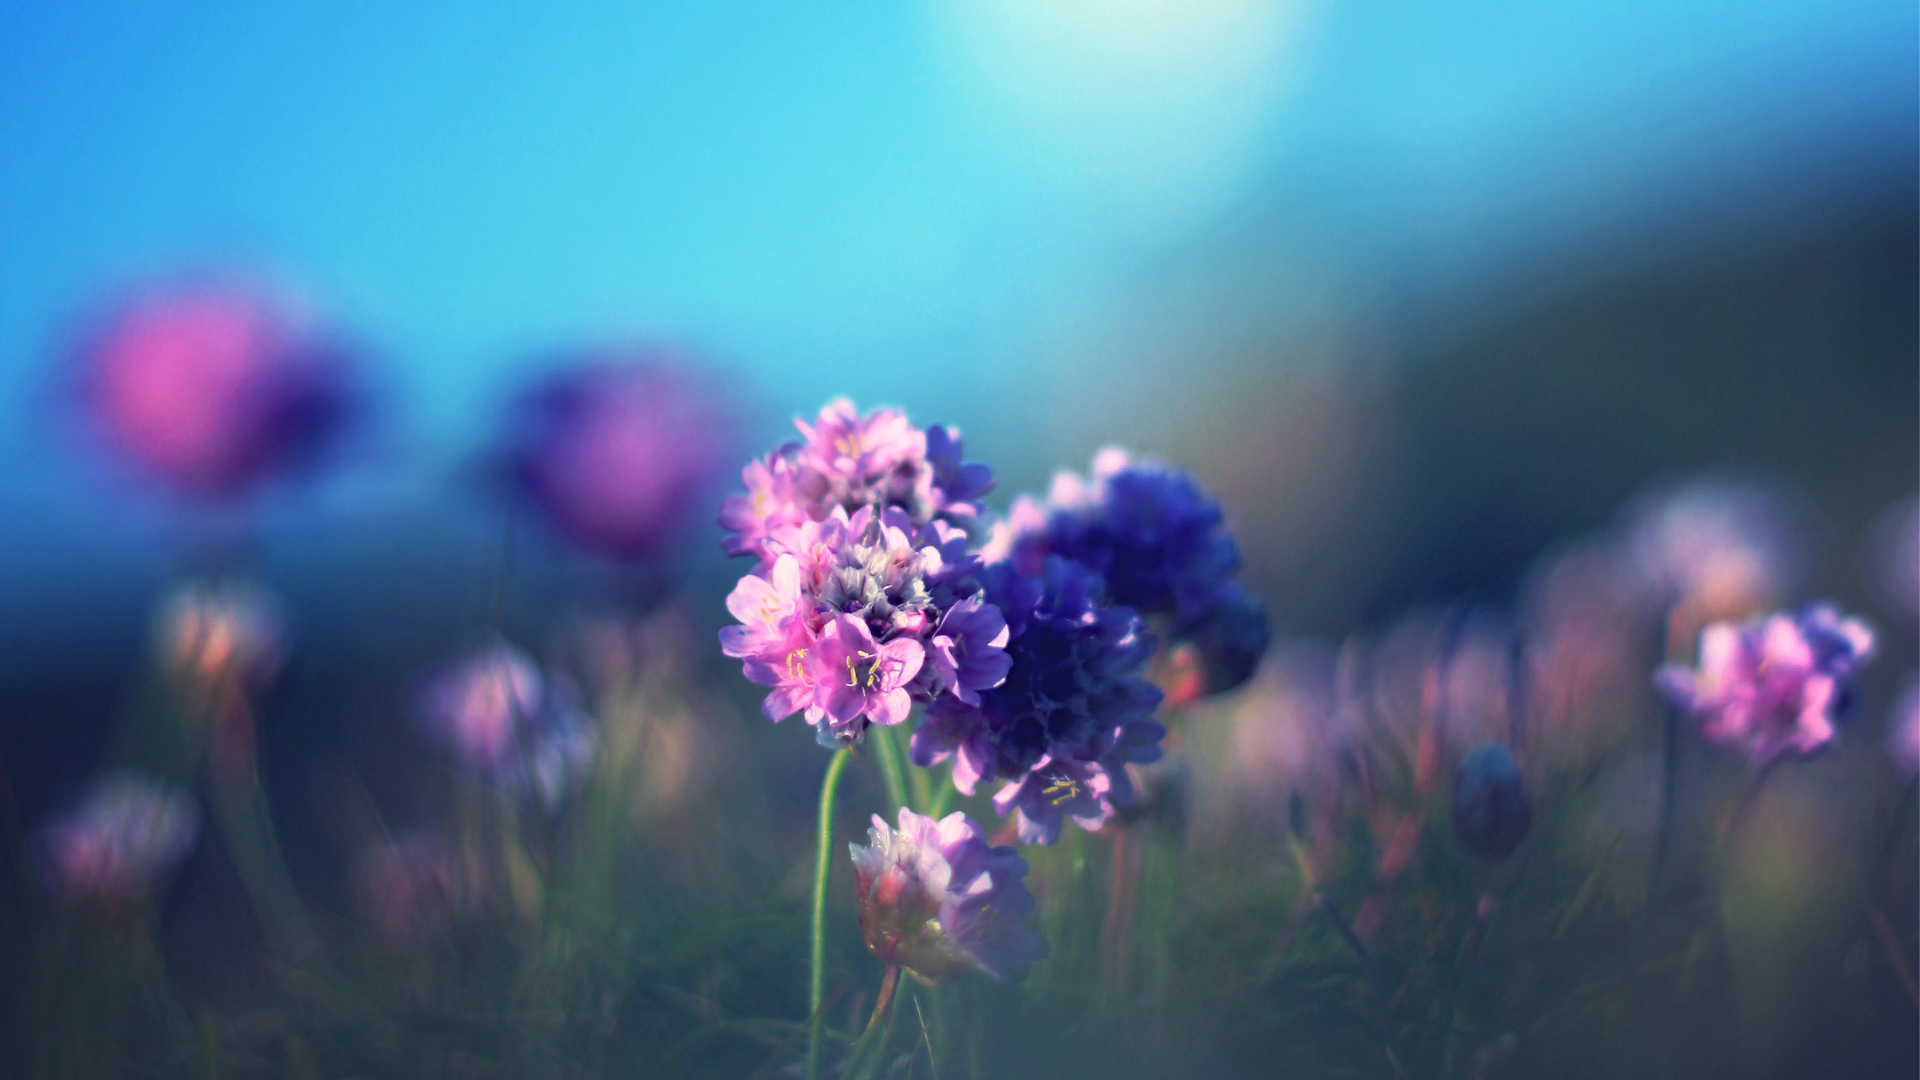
point(126, 832)
point(210, 389)
point(1772, 685)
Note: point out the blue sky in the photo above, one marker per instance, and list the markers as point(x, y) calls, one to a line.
point(954, 206)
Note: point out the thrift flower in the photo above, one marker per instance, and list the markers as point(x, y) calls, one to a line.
point(618, 449)
point(864, 599)
point(935, 899)
point(210, 389)
point(1772, 685)
point(1491, 813)
point(128, 831)
point(1156, 540)
point(508, 722)
point(1072, 711)
point(855, 676)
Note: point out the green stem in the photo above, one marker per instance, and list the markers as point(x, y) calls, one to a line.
point(823, 862)
point(887, 750)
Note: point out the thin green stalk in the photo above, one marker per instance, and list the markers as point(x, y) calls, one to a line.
point(887, 751)
point(823, 862)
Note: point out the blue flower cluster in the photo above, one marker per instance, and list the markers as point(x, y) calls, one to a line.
point(1156, 540)
point(1071, 713)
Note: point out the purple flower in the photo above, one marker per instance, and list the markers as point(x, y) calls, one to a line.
point(1146, 528)
point(618, 449)
point(848, 462)
point(1771, 685)
point(210, 389)
point(507, 721)
point(969, 649)
point(126, 832)
point(1072, 712)
point(857, 680)
point(936, 900)
point(1156, 540)
point(1491, 813)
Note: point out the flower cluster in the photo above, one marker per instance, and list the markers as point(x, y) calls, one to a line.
point(1072, 711)
point(1772, 685)
point(128, 831)
point(1155, 538)
point(936, 900)
point(1030, 654)
point(508, 722)
point(864, 599)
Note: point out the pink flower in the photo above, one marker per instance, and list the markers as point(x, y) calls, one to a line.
point(1771, 685)
point(856, 677)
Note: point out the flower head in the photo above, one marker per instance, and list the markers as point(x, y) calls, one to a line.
point(126, 832)
point(1072, 711)
point(617, 450)
point(1491, 813)
point(864, 600)
point(211, 389)
point(937, 900)
point(507, 721)
point(848, 462)
point(1156, 540)
point(1772, 685)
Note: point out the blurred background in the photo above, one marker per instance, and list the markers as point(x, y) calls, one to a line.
point(1420, 292)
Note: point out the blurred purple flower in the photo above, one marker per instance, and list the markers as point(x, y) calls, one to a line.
point(1491, 812)
point(127, 831)
point(935, 899)
point(210, 389)
point(1072, 712)
point(1772, 685)
point(619, 448)
point(508, 722)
